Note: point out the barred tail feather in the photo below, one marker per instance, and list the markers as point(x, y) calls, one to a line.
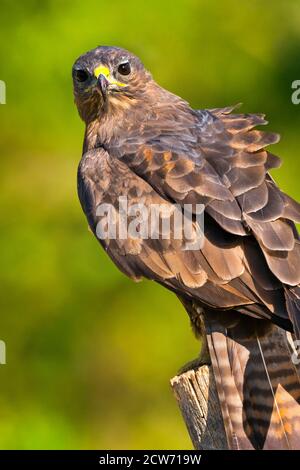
point(258, 387)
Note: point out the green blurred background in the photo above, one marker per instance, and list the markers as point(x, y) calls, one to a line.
point(89, 353)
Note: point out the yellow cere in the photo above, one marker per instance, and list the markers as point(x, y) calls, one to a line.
point(102, 70)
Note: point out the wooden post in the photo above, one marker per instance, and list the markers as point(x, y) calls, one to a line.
point(198, 401)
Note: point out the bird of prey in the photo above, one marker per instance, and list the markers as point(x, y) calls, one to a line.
point(241, 286)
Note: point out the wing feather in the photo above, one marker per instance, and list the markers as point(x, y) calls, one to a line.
point(216, 158)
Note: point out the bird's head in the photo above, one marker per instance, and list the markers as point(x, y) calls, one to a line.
point(107, 78)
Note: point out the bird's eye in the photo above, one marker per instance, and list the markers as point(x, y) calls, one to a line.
point(124, 68)
point(81, 75)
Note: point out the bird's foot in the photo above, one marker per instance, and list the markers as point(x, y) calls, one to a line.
point(195, 364)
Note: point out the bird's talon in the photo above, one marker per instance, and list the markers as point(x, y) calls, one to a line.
point(194, 364)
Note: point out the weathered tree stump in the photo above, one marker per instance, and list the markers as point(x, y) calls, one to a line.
point(198, 401)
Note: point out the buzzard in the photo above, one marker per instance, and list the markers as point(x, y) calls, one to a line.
point(240, 287)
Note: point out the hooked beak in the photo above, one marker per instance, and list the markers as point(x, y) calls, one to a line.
point(105, 81)
point(102, 83)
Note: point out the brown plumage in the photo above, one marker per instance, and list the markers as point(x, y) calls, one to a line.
point(147, 144)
